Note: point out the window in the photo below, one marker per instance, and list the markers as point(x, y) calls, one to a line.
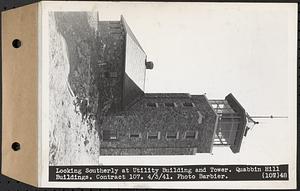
point(200, 117)
point(152, 105)
point(110, 74)
point(113, 74)
point(153, 135)
point(109, 135)
point(170, 104)
point(191, 134)
point(172, 135)
point(221, 106)
point(106, 74)
point(188, 104)
point(135, 135)
point(214, 105)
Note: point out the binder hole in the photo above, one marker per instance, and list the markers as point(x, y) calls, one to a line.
point(16, 146)
point(16, 43)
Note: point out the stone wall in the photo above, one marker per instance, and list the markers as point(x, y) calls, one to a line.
point(111, 59)
point(143, 120)
point(148, 151)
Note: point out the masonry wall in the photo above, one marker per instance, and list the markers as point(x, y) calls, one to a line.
point(111, 58)
point(148, 151)
point(143, 119)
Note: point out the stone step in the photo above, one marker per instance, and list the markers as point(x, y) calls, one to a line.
point(114, 22)
point(116, 32)
point(115, 26)
point(115, 29)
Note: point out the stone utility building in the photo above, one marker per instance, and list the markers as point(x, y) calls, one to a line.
point(132, 122)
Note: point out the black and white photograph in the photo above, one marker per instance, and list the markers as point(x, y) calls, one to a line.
point(169, 84)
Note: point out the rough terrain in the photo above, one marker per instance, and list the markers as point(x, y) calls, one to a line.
point(73, 139)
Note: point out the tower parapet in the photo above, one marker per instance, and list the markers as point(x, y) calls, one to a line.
point(231, 122)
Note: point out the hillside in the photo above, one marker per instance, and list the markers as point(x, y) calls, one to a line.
point(73, 139)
